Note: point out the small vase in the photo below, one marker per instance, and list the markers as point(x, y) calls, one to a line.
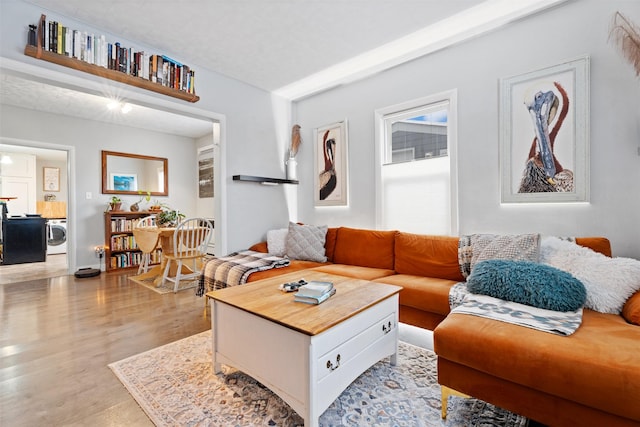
point(291, 168)
point(134, 207)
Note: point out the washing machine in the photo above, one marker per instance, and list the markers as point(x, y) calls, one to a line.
point(56, 236)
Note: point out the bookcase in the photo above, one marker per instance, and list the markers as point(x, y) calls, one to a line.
point(110, 60)
point(121, 250)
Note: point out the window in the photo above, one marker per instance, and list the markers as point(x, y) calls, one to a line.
point(416, 187)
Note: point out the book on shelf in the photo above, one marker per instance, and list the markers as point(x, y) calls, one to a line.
point(314, 299)
point(94, 49)
point(314, 289)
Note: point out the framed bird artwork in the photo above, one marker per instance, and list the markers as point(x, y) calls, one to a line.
point(331, 167)
point(544, 134)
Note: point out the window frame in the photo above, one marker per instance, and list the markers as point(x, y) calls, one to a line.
point(382, 115)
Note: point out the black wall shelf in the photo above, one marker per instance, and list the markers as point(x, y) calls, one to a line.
point(264, 180)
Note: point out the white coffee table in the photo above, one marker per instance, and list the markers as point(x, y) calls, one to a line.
point(306, 354)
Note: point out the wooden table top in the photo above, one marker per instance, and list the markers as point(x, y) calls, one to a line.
point(263, 298)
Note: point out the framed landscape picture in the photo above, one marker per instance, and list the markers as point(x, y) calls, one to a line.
point(124, 181)
point(331, 174)
point(544, 134)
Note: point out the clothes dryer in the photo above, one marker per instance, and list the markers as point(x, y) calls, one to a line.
point(57, 236)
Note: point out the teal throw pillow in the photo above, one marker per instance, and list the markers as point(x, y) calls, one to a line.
point(529, 283)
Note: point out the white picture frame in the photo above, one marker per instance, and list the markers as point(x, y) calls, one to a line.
point(331, 175)
point(567, 134)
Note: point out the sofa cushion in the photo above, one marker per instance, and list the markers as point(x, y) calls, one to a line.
point(366, 248)
point(429, 256)
point(355, 271)
point(528, 283)
point(631, 309)
point(277, 241)
point(599, 244)
point(260, 247)
point(424, 293)
point(306, 242)
point(610, 282)
point(330, 243)
point(294, 266)
point(597, 366)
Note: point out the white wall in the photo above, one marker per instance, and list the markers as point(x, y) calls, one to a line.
point(61, 196)
point(576, 28)
point(254, 135)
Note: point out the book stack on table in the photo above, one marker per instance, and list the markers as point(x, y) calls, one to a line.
point(314, 292)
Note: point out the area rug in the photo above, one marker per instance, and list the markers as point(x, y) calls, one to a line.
point(168, 288)
point(175, 386)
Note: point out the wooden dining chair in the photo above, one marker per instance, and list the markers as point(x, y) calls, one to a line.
point(190, 241)
point(146, 242)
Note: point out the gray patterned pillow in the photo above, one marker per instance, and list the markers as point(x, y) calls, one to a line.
point(306, 242)
point(519, 247)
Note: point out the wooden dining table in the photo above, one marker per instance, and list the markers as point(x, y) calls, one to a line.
point(150, 238)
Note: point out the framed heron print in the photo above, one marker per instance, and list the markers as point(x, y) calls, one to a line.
point(544, 134)
point(331, 175)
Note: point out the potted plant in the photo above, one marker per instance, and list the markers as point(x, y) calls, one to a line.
point(168, 217)
point(115, 203)
point(136, 206)
point(156, 206)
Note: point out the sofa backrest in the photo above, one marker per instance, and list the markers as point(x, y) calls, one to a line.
point(366, 248)
point(598, 244)
point(426, 255)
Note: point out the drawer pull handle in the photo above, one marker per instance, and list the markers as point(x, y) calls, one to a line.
point(330, 365)
point(386, 328)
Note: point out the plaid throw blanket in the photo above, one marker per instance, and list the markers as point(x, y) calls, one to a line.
point(235, 268)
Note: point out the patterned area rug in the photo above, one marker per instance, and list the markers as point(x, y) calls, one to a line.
point(175, 386)
point(168, 288)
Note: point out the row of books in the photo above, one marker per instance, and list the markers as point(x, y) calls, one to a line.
point(123, 242)
point(120, 224)
point(96, 50)
point(129, 259)
point(126, 259)
point(314, 292)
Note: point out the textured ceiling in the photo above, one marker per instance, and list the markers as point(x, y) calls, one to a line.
point(39, 96)
point(266, 43)
point(269, 44)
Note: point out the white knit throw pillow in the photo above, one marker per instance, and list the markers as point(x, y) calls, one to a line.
point(277, 241)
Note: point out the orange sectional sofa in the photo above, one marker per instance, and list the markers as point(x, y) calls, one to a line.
point(591, 377)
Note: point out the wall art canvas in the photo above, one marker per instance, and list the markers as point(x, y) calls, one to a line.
point(331, 174)
point(544, 134)
point(205, 172)
point(51, 179)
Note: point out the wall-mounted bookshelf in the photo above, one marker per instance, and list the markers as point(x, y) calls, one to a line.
point(38, 51)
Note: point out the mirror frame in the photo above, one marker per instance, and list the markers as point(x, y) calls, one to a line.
point(105, 180)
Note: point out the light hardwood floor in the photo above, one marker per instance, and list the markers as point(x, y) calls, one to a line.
point(55, 265)
point(57, 336)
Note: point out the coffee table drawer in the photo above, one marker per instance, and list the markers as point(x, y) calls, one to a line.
point(342, 355)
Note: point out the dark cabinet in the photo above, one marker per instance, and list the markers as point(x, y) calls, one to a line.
point(23, 240)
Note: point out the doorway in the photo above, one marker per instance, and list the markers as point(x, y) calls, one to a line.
point(51, 202)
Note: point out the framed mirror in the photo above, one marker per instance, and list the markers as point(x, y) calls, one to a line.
point(125, 173)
